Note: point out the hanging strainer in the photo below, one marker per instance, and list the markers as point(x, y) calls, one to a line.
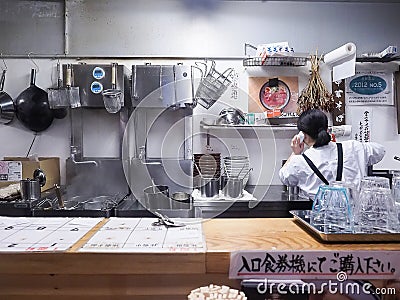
point(58, 96)
point(212, 86)
point(112, 98)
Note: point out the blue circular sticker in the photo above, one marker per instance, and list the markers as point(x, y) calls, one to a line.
point(368, 85)
point(96, 87)
point(98, 73)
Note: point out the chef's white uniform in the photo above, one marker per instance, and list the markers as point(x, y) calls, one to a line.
point(356, 157)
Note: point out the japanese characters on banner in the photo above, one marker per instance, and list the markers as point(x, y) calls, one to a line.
point(315, 264)
point(338, 113)
point(361, 120)
point(235, 85)
point(370, 88)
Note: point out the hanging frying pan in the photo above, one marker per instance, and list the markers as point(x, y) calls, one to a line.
point(7, 109)
point(274, 94)
point(32, 107)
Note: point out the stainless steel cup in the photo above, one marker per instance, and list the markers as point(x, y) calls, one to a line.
point(30, 189)
point(209, 186)
point(233, 187)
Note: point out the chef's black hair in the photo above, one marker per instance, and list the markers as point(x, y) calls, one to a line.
point(315, 123)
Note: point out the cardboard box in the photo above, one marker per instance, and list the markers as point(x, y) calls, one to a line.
point(13, 169)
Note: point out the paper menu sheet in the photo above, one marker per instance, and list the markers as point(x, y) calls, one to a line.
point(139, 235)
point(42, 234)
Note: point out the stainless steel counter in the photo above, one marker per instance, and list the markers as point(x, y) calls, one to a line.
point(272, 202)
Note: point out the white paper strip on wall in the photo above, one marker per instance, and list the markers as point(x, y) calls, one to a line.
point(342, 60)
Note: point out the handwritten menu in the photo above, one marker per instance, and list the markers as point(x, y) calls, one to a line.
point(42, 234)
point(141, 235)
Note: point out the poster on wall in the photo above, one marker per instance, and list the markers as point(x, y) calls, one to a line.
point(361, 118)
point(273, 96)
point(370, 88)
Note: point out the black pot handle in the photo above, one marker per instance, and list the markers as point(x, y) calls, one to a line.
point(2, 80)
point(33, 76)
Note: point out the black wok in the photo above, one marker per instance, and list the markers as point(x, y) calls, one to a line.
point(32, 107)
point(7, 109)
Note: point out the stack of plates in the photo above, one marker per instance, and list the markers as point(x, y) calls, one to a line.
point(209, 165)
point(237, 166)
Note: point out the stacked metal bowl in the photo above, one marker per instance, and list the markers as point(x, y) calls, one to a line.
point(237, 166)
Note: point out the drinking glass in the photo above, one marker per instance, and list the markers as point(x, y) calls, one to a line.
point(396, 185)
point(375, 181)
point(377, 210)
point(352, 195)
point(331, 211)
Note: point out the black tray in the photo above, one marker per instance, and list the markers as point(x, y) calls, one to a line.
point(72, 213)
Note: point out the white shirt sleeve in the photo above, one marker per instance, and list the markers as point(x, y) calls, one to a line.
point(374, 152)
point(288, 173)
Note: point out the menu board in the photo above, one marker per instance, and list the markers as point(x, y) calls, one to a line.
point(142, 235)
point(42, 234)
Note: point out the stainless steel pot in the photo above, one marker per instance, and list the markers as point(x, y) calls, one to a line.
point(231, 116)
point(209, 187)
point(233, 187)
point(7, 109)
point(180, 200)
point(157, 197)
point(30, 189)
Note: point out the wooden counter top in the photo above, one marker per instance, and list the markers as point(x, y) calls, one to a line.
point(275, 233)
point(170, 275)
point(224, 236)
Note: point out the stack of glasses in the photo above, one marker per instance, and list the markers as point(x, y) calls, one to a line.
point(374, 208)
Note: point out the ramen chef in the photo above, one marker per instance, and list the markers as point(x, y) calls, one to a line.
point(325, 161)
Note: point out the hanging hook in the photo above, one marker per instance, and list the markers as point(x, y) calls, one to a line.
point(4, 62)
point(37, 67)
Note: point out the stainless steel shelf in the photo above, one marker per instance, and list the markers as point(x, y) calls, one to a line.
point(284, 127)
point(378, 59)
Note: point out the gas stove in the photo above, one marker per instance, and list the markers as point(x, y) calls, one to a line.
point(78, 206)
point(14, 206)
point(50, 206)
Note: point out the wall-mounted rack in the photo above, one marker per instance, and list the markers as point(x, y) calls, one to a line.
point(280, 59)
point(378, 59)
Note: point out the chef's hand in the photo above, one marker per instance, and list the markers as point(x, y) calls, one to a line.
point(296, 145)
